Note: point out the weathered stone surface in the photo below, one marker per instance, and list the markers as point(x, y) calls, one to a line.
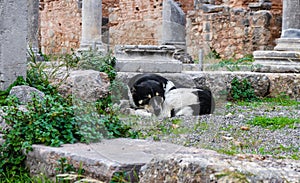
point(286, 57)
point(285, 83)
point(164, 162)
point(146, 58)
point(148, 66)
point(208, 8)
point(13, 32)
point(173, 28)
point(25, 93)
point(232, 32)
point(33, 25)
point(88, 85)
point(288, 44)
point(101, 160)
point(277, 61)
point(218, 82)
point(91, 26)
point(202, 168)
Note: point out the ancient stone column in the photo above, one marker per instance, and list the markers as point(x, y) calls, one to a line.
point(33, 26)
point(91, 25)
point(290, 35)
point(13, 31)
point(286, 55)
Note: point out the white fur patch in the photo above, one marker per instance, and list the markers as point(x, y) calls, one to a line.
point(168, 86)
point(179, 99)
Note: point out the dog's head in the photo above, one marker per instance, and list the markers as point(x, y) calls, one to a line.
point(144, 91)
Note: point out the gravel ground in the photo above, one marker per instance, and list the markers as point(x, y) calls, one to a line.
point(227, 131)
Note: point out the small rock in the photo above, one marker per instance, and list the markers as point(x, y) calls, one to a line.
point(227, 138)
point(25, 93)
point(246, 128)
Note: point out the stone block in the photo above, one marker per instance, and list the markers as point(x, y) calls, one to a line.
point(158, 66)
point(277, 61)
point(200, 167)
point(288, 44)
point(87, 85)
point(13, 32)
point(146, 58)
point(101, 160)
point(208, 8)
point(173, 25)
point(25, 93)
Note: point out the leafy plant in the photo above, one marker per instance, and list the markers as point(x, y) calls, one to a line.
point(4, 93)
point(64, 166)
point(241, 91)
point(234, 65)
point(97, 61)
point(55, 120)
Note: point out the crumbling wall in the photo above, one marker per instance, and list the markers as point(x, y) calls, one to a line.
point(231, 31)
point(136, 22)
point(60, 26)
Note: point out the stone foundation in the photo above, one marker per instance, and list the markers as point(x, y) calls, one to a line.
point(265, 84)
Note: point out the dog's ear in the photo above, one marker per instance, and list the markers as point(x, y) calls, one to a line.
point(132, 89)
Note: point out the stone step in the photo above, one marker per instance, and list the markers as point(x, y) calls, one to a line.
point(163, 162)
point(215, 67)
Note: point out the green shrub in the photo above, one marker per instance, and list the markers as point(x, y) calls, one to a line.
point(97, 61)
point(234, 65)
point(55, 120)
point(241, 91)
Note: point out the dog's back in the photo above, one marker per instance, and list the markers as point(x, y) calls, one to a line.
point(186, 102)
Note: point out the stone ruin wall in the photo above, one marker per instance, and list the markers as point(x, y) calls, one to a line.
point(140, 22)
point(136, 22)
point(234, 31)
point(60, 26)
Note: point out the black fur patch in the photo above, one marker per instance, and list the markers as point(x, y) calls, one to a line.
point(143, 87)
point(206, 101)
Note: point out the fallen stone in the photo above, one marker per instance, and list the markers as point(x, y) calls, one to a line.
point(101, 160)
point(88, 85)
point(25, 93)
point(199, 167)
point(149, 161)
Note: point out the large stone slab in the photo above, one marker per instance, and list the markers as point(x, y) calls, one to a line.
point(146, 58)
point(277, 61)
point(87, 85)
point(152, 161)
point(102, 160)
point(13, 32)
point(199, 167)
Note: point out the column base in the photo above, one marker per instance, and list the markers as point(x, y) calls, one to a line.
point(91, 46)
point(277, 61)
point(288, 44)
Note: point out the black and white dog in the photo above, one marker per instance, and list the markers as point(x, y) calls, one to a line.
point(143, 87)
point(183, 102)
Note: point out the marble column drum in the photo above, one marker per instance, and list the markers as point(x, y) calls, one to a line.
point(91, 25)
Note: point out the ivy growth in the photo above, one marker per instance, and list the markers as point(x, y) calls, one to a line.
point(241, 91)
